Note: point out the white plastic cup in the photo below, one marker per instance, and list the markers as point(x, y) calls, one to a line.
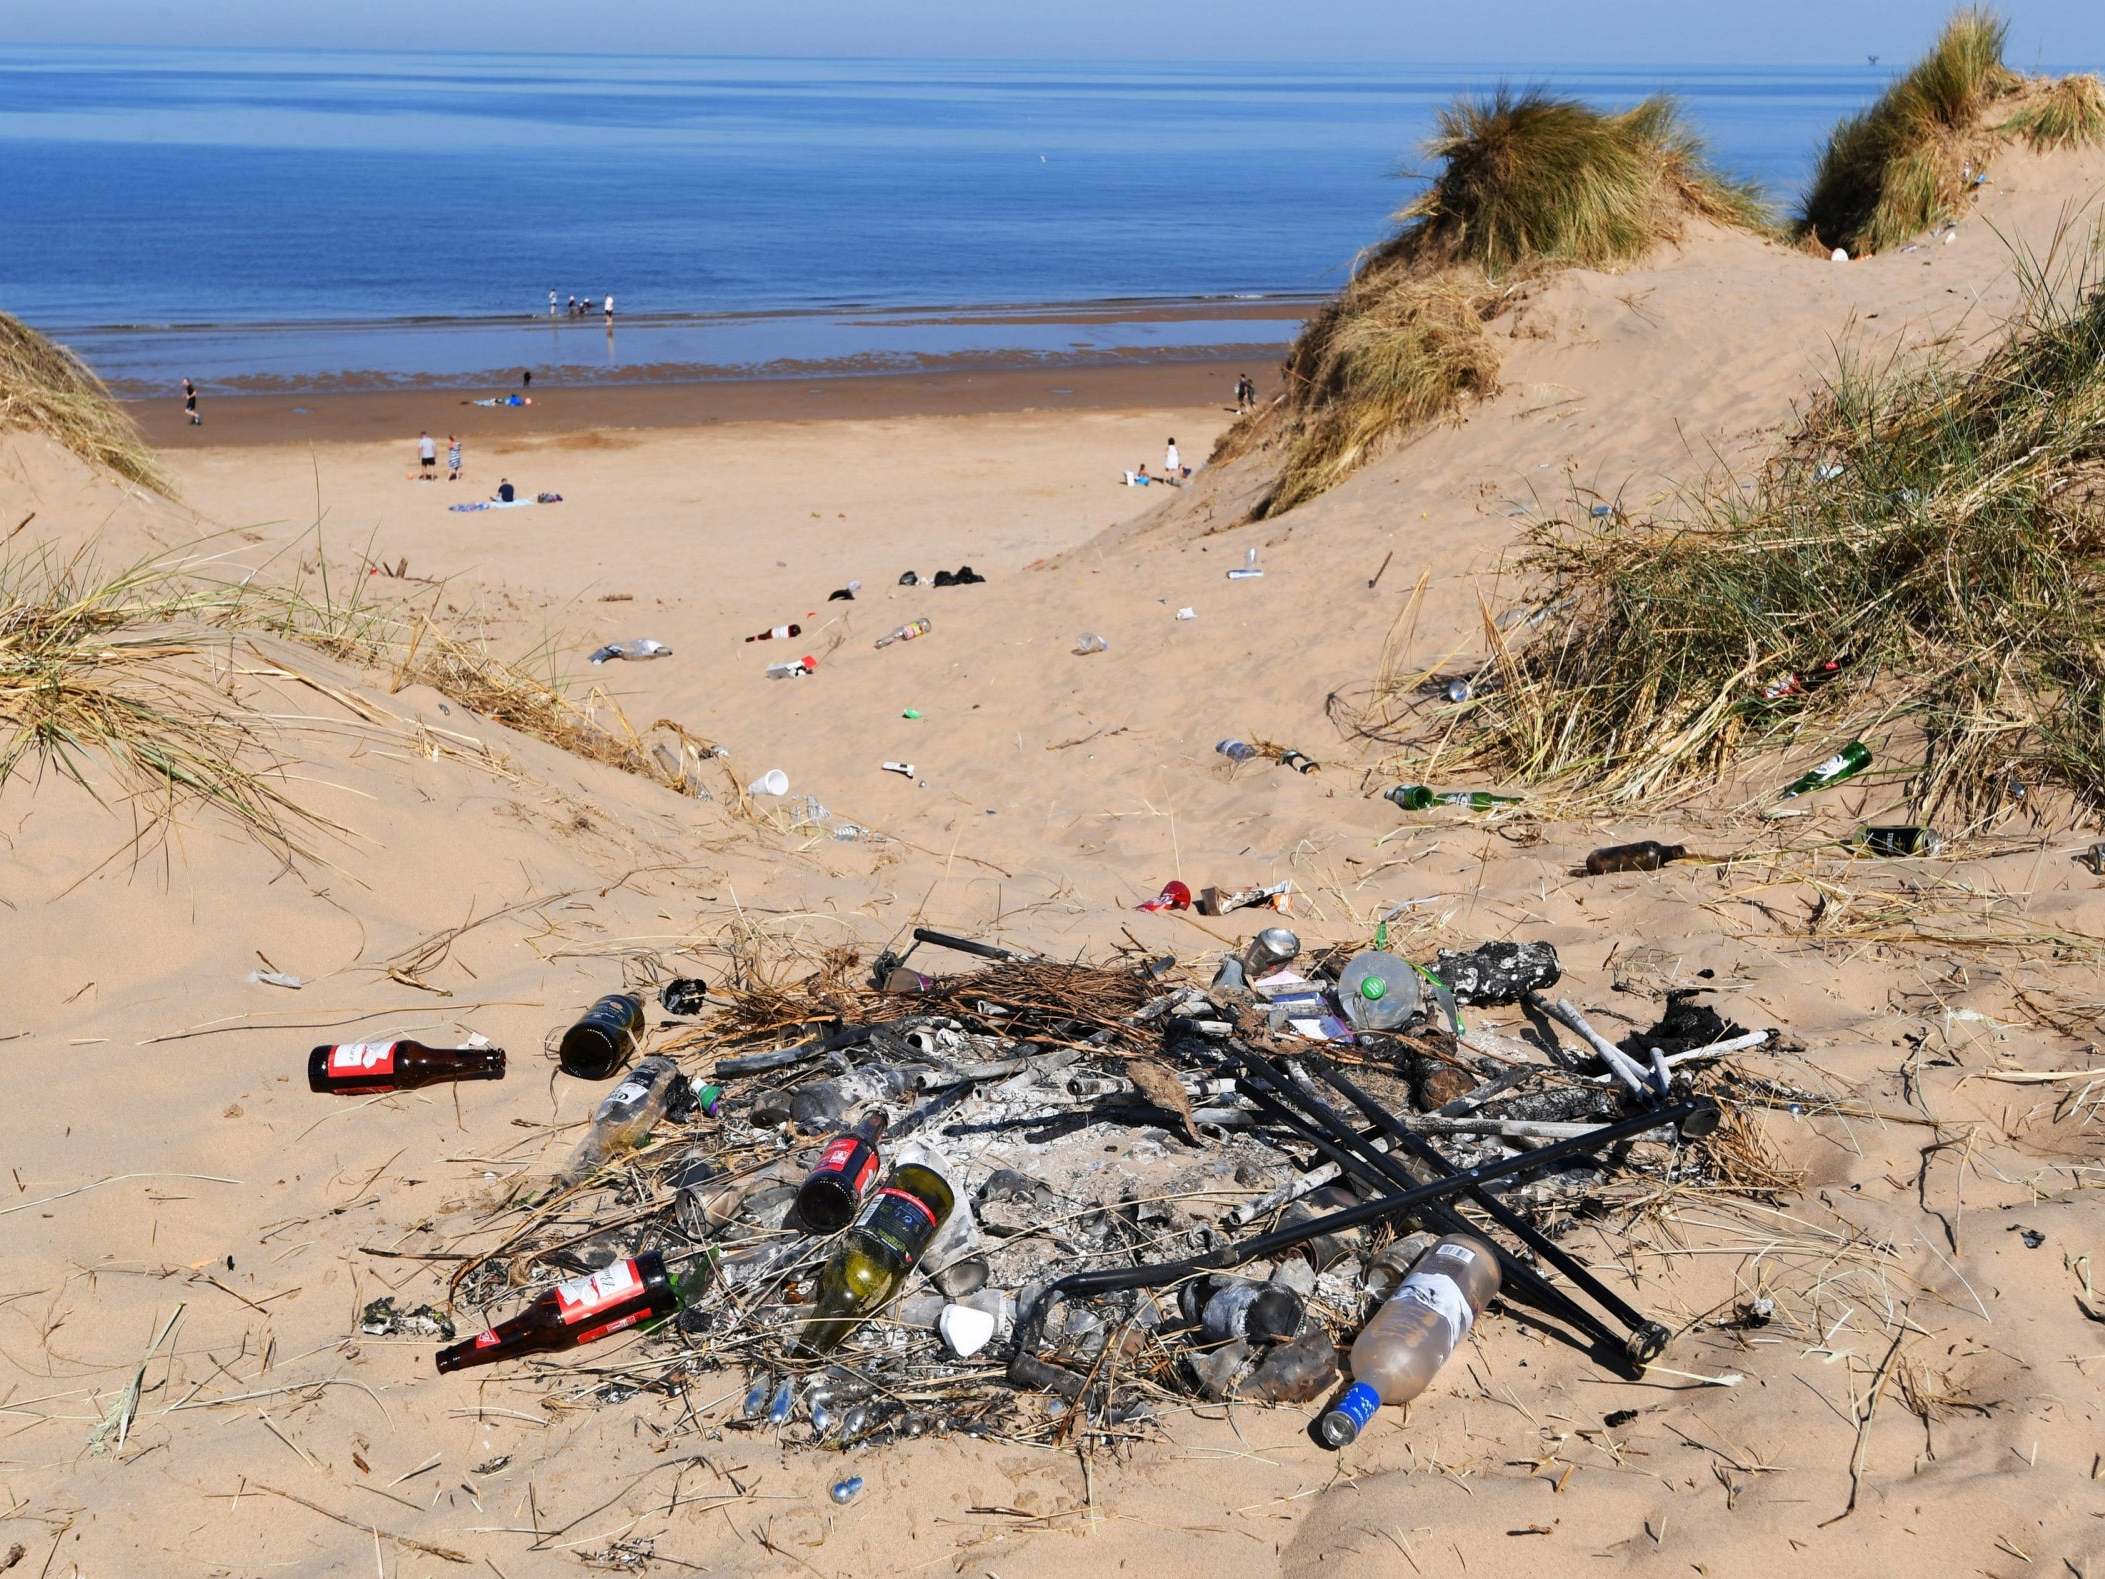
point(773, 782)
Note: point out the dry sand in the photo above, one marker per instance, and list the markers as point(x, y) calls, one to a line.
point(167, 1157)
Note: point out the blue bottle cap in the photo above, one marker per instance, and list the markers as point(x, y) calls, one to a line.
point(1350, 1414)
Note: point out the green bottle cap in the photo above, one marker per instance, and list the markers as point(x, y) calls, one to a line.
point(1373, 987)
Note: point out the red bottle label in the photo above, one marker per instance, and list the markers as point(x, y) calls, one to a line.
point(585, 1297)
point(486, 1340)
point(361, 1060)
point(839, 1153)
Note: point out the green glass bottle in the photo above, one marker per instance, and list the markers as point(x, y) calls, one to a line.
point(1847, 763)
point(873, 1258)
point(1416, 797)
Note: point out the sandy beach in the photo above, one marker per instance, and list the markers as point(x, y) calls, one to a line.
point(191, 1229)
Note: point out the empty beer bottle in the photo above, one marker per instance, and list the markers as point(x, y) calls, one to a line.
point(874, 1256)
point(1396, 1356)
point(1299, 761)
point(1647, 855)
point(838, 1182)
point(357, 1068)
point(601, 1042)
point(1416, 797)
point(618, 1296)
point(1847, 763)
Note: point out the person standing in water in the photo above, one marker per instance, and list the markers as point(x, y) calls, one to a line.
point(190, 404)
point(551, 304)
point(610, 309)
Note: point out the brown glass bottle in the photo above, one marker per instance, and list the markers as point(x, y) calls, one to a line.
point(602, 1041)
point(834, 1190)
point(357, 1068)
point(616, 1297)
point(1647, 855)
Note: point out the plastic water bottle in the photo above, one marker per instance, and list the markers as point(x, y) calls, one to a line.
point(1089, 642)
point(1398, 1353)
point(1237, 750)
point(1377, 991)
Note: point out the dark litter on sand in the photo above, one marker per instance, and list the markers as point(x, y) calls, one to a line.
point(1030, 1197)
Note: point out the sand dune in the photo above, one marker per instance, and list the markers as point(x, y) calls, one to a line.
point(167, 1154)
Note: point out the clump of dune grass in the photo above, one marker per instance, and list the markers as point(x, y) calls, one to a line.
point(1527, 179)
point(2068, 112)
point(1941, 529)
point(105, 669)
point(1527, 182)
point(44, 388)
point(533, 700)
point(1891, 172)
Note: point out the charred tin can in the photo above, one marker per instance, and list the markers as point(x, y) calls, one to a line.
point(1901, 840)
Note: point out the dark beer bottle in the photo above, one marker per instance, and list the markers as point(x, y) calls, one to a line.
point(1647, 855)
point(618, 1296)
point(875, 1255)
point(834, 1189)
point(356, 1068)
point(602, 1041)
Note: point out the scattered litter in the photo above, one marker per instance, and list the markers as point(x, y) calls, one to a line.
point(1089, 642)
point(684, 995)
point(1237, 750)
point(276, 978)
point(635, 650)
point(846, 1490)
point(777, 633)
point(380, 1319)
point(844, 594)
point(793, 670)
point(904, 769)
point(773, 782)
point(1248, 570)
point(1839, 255)
point(1187, 614)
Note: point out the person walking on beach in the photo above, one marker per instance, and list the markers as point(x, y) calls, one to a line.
point(190, 404)
point(427, 458)
point(1245, 393)
point(526, 378)
point(452, 458)
point(610, 309)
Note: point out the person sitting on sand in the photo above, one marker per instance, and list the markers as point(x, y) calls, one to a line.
point(505, 492)
point(427, 458)
point(452, 458)
point(1140, 478)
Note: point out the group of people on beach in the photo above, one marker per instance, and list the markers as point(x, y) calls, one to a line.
point(582, 308)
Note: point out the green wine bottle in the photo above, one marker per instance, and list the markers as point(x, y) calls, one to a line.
point(874, 1256)
point(1416, 797)
point(1847, 763)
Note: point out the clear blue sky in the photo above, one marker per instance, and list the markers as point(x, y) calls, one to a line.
point(2043, 32)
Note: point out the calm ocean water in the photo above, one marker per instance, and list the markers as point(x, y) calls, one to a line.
point(157, 188)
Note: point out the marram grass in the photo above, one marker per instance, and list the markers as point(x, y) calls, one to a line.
point(44, 388)
point(1940, 529)
point(1527, 181)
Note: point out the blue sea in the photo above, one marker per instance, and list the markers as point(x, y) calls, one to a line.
point(279, 219)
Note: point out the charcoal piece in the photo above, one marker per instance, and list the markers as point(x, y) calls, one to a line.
point(1498, 972)
point(1685, 1024)
point(1435, 1083)
point(684, 995)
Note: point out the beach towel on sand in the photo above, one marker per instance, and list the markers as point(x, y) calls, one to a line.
point(507, 504)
